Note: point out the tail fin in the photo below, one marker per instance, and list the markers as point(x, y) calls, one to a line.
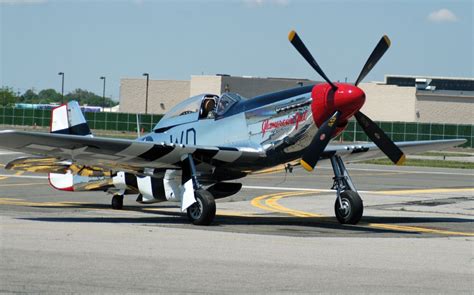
point(68, 119)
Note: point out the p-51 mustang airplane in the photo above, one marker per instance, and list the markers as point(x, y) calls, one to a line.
point(207, 140)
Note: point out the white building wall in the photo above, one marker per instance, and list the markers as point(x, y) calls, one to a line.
point(162, 95)
point(446, 109)
point(383, 102)
point(205, 84)
point(252, 86)
point(389, 102)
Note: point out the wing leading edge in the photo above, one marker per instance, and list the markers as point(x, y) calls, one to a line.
point(116, 154)
point(365, 151)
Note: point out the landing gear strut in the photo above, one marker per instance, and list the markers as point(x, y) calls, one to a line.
point(348, 207)
point(204, 210)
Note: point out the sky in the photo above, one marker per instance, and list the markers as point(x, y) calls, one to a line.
point(177, 39)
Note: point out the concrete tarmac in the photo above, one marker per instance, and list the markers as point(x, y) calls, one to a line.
point(278, 235)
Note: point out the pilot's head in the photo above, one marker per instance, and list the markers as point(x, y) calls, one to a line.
point(209, 105)
point(207, 108)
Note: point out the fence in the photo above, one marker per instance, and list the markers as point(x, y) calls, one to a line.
point(101, 121)
point(407, 131)
point(398, 131)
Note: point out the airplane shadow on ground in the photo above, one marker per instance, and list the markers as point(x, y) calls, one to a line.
point(165, 217)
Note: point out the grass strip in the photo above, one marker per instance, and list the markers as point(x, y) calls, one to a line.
point(441, 154)
point(425, 163)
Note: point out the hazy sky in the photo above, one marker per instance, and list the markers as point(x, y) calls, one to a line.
point(177, 39)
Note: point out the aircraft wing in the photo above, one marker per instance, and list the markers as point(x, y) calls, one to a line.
point(111, 153)
point(364, 151)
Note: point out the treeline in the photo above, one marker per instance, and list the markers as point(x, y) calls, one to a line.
point(50, 96)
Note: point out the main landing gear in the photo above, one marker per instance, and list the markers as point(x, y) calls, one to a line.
point(204, 210)
point(117, 202)
point(348, 206)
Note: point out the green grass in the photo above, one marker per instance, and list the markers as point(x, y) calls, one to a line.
point(117, 135)
point(441, 154)
point(425, 163)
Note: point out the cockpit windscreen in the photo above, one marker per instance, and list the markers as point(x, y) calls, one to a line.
point(226, 101)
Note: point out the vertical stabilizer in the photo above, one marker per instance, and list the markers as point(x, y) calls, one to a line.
point(68, 119)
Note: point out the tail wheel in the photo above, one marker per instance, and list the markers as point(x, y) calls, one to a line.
point(204, 210)
point(351, 210)
point(117, 202)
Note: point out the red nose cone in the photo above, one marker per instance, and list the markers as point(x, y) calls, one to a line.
point(347, 99)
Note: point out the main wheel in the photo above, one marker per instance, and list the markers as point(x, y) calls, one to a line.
point(117, 202)
point(351, 210)
point(204, 210)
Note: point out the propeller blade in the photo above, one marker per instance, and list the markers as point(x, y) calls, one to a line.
point(320, 141)
point(374, 57)
point(299, 45)
point(381, 139)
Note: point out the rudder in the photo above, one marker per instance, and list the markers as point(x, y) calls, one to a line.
point(68, 119)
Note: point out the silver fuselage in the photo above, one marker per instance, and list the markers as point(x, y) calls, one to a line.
point(279, 131)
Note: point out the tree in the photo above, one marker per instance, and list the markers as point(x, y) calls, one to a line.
point(49, 96)
point(7, 96)
point(89, 98)
point(29, 96)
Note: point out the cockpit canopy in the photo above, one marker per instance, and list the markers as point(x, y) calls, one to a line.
point(195, 108)
point(226, 101)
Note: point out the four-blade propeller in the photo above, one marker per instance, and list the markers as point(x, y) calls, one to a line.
point(314, 151)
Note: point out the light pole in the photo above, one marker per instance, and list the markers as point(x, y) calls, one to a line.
point(146, 95)
point(103, 92)
point(62, 86)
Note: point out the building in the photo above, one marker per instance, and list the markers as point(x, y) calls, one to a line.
point(398, 98)
point(164, 94)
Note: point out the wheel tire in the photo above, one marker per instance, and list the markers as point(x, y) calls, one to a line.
point(204, 210)
point(354, 208)
point(117, 202)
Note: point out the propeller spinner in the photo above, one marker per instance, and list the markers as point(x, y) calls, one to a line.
point(334, 103)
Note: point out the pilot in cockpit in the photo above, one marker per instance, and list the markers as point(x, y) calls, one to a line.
point(207, 108)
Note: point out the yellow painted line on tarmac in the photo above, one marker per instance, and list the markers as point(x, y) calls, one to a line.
point(271, 204)
point(419, 229)
point(10, 199)
point(20, 202)
point(235, 213)
point(423, 191)
point(159, 209)
point(16, 174)
point(256, 201)
point(22, 184)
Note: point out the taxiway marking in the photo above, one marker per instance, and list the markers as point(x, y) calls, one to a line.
point(23, 176)
point(22, 184)
point(419, 229)
point(424, 191)
point(271, 201)
point(272, 205)
point(17, 174)
point(20, 202)
point(384, 192)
